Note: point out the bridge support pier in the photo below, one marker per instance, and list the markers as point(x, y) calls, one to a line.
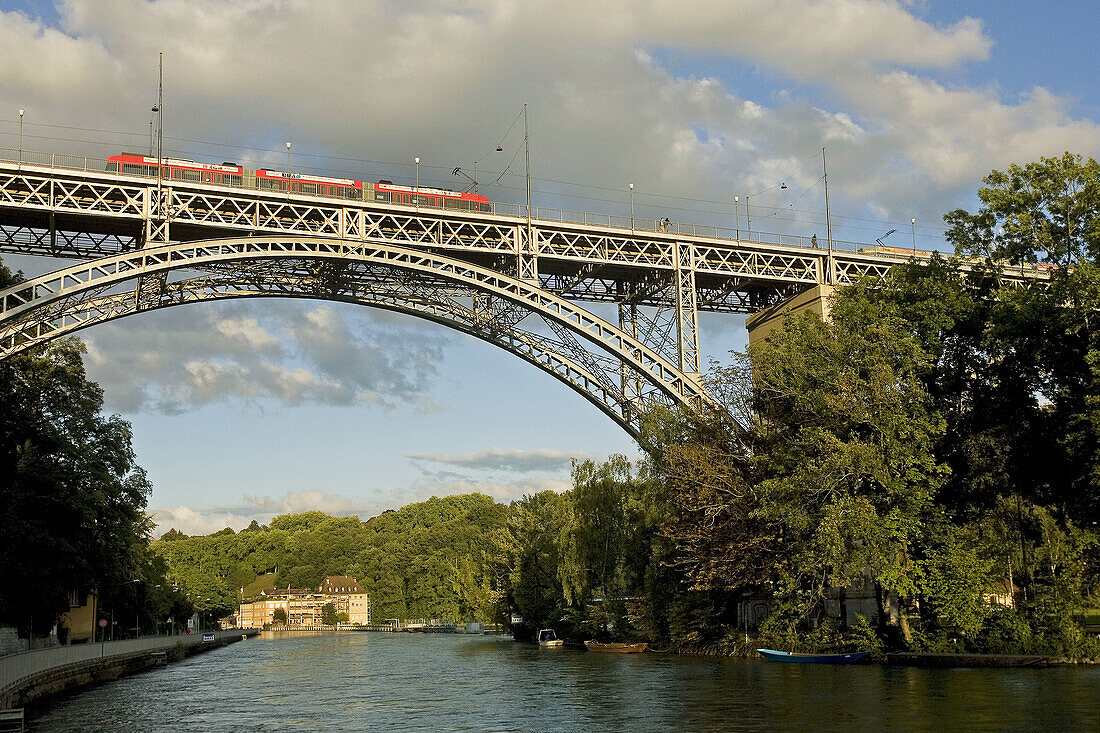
point(818, 299)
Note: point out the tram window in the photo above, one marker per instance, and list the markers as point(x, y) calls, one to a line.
point(379, 196)
point(310, 188)
point(131, 168)
point(191, 176)
point(233, 180)
point(269, 184)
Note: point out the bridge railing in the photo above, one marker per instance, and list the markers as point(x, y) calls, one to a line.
point(541, 213)
point(14, 667)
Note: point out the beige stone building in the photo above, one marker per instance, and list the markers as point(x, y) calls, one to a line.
point(303, 606)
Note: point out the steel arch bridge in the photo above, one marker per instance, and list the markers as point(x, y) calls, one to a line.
point(472, 299)
point(508, 276)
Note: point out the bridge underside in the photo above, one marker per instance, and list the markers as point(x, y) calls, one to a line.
point(81, 236)
point(608, 366)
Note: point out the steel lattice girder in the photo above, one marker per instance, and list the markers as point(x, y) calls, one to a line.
point(105, 202)
point(41, 308)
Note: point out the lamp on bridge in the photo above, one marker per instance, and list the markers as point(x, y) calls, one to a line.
point(913, 223)
point(631, 207)
point(736, 218)
point(21, 111)
point(417, 161)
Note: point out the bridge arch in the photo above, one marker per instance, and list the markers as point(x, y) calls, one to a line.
point(578, 348)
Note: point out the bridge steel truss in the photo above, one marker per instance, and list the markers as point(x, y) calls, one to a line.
point(146, 247)
point(580, 349)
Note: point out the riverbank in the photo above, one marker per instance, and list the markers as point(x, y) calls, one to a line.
point(746, 649)
point(31, 676)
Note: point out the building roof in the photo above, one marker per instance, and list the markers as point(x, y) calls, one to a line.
point(281, 592)
point(340, 585)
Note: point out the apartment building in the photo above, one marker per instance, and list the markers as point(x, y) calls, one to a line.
point(303, 606)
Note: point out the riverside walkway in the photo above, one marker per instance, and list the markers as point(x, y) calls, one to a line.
point(28, 675)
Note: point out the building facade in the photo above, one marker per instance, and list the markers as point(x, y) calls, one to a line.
point(304, 607)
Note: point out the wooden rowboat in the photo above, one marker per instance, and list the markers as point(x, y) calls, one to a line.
point(615, 647)
point(796, 658)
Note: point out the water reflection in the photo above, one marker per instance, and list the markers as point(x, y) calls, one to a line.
point(407, 682)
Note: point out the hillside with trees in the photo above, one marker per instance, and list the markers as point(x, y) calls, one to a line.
point(425, 560)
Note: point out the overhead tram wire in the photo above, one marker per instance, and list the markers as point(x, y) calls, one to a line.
point(925, 230)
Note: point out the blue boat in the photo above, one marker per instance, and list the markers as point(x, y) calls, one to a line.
point(796, 658)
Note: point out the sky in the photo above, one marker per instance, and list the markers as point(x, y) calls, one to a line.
point(245, 410)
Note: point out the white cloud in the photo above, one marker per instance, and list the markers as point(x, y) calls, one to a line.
point(509, 460)
point(204, 520)
point(294, 502)
point(503, 491)
point(291, 352)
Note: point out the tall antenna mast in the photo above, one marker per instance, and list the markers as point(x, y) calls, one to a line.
point(527, 160)
point(159, 109)
point(828, 219)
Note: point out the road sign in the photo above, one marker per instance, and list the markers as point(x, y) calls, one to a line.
point(103, 623)
point(207, 637)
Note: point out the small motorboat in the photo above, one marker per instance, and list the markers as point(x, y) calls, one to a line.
point(548, 638)
point(797, 658)
point(615, 647)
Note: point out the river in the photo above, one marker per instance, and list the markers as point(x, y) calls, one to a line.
point(415, 682)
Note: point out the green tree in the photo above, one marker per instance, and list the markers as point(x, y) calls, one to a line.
point(528, 552)
point(279, 616)
point(832, 478)
point(1047, 212)
point(328, 614)
point(71, 492)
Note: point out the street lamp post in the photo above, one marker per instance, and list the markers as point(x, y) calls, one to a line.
point(631, 207)
point(416, 196)
point(288, 169)
point(737, 217)
point(21, 111)
point(913, 223)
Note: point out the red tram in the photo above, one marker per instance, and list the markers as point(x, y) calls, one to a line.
point(231, 174)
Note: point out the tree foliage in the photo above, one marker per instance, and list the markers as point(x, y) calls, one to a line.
point(425, 560)
point(939, 435)
point(71, 493)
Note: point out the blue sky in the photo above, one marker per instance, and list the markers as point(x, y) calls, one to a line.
point(244, 410)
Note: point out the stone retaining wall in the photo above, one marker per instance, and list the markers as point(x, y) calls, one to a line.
point(70, 676)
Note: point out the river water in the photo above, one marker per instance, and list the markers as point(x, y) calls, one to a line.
point(414, 682)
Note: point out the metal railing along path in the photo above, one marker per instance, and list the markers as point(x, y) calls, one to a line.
point(19, 666)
